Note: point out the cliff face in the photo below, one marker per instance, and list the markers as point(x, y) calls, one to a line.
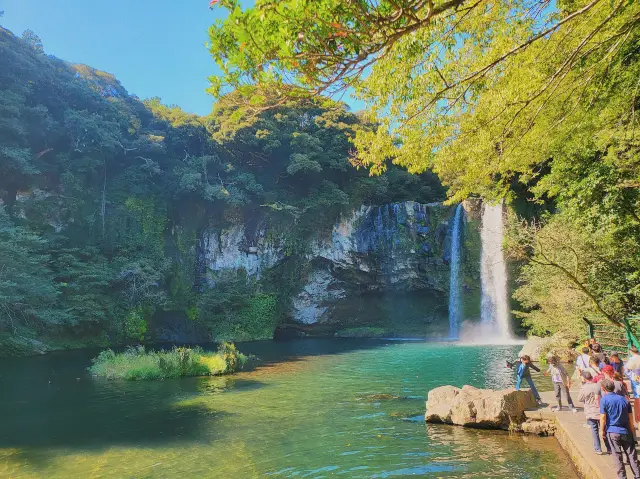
point(116, 213)
point(384, 266)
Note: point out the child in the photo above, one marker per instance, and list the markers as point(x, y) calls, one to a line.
point(561, 382)
point(523, 373)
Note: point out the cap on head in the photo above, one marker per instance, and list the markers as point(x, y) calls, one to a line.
point(608, 369)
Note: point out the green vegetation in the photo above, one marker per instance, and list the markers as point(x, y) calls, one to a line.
point(522, 101)
point(526, 101)
point(105, 201)
point(136, 363)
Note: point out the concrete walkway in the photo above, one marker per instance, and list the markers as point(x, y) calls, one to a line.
point(576, 439)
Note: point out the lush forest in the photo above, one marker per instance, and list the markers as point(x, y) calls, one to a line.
point(529, 101)
point(103, 197)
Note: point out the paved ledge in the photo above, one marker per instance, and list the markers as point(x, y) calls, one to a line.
point(576, 439)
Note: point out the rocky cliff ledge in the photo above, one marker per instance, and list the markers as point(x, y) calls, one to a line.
point(376, 263)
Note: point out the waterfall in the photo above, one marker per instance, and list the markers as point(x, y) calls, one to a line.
point(455, 290)
point(494, 306)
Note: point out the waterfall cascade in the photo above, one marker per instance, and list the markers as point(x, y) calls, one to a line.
point(495, 305)
point(455, 290)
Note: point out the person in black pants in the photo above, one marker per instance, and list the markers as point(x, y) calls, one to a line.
point(616, 424)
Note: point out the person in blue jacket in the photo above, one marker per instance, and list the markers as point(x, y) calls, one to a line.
point(523, 372)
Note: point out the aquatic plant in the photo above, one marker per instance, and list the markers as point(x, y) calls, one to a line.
point(136, 363)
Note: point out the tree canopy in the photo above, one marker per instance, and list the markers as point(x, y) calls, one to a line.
point(528, 100)
point(104, 200)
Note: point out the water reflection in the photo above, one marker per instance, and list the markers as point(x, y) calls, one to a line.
point(349, 411)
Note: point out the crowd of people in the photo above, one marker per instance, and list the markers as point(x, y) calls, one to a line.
point(605, 394)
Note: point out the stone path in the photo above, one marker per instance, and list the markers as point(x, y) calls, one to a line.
point(576, 439)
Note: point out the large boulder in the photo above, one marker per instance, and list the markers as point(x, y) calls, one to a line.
point(463, 408)
point(533, 347)
point(560, 345)
point(440, 400)
point(481, 408)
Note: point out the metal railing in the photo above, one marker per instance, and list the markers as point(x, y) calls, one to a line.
point(612, 337)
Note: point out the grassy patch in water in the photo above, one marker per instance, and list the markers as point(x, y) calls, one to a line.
point(138, 363)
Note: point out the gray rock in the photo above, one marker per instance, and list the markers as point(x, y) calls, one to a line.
point(481, 408)
point(390, 249)
point(539, 427)
point(439, 402)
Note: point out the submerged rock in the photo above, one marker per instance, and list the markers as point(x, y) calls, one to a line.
point(480, 408)
point(378, 397)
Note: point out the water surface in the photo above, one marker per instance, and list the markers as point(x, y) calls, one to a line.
point(310, 408)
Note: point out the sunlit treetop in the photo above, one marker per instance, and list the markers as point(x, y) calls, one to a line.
point(320, 46)
point(467, 87)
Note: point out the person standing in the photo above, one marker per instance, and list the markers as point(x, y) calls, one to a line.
point(523, 372)
point(632, 368)
point(593, 367)
point(616, 364)
point(616, 425)
point(590, 394)
point(561, 382)
point(594, 364)
point(582, 361)
point(598, 353)
point(619, 387)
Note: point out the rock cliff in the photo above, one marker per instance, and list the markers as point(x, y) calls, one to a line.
point(378, 266)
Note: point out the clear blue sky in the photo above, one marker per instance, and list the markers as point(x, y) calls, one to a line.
point(154, 47)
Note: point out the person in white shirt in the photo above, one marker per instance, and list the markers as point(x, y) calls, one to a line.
point(632, 369)
point(582, 362)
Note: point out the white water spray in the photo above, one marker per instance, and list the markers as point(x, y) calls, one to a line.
point(455, 290)
point(495, 305)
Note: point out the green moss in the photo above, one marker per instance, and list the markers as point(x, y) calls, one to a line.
point(152, 219)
